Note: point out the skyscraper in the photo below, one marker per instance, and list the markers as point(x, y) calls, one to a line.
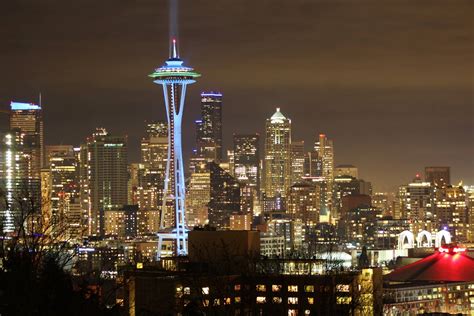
point(277, 155)
point(27, 119)
point(209, 128)
point(104, 176)
point(247, 159)
point(151, 179)
point(14, 179)
point(303, 203)
point(297, 161)
point(313, 166)
point(438, 176)
point(451, 211)
point(346, 170)
point(154, 146)
point(418, 204)
point(67, 220)
point(325, 149)
point(174, 77)
point(198, 197)
point(224, 197)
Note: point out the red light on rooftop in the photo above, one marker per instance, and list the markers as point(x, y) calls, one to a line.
point(451, 250)
point(441, 249)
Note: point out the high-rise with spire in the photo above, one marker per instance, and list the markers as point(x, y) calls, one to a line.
point(174, 78)
point(277, 155)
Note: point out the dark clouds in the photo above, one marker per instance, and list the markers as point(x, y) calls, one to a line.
point(390, 81)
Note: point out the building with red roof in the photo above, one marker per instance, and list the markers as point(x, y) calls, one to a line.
point(440, 283)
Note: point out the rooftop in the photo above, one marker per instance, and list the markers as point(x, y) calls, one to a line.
point(278, 117)
point(24, 106)
point(448, 264)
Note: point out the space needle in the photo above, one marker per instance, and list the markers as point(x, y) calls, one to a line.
point(174, 77)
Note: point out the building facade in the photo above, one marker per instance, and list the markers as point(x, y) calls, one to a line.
point(277, 155)
point(246, 159)
point(104, 177)
point(209, 128)
point(224, 197)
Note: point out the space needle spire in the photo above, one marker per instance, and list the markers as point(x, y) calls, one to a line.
point(174, 78)
point(174, 54)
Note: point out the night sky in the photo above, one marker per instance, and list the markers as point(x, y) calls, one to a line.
point(391, 82)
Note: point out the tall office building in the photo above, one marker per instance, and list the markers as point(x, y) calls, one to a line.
point(198, 197)
point(209, 128)
point(67, 220)
point(28, 118)
point(104, 177)
point(347, 185)
point(55, 150)
point(151, 176)
point(346, 170)
point(14, 179)
point(418, 204)
point(154, 146)
point(246, 160)
point(438, 176)
point(224, 197)
point(231, 162)
point(383, 201)
point(277, 155)
point(470, 212)
point(325, 149)
point(399, 203)
point(302, 203)
point(313, 165)
point(451, 211)
point(297, 161)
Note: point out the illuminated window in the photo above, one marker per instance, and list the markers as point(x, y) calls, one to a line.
point(342, 287)
point(205, 290)
point(227, 301)
point(261, 287)
point(292, 312)
point(237, 299)
point(309, 288)
point(237, 287)
point(307, 312)
point(311, 300)
point(187, 290)
point(292, 300)
point(277, 300)
point(343, 300)
point(261, 299)
point(292, 288)
point(276, 288)
point(205, 303)
point(217, 302)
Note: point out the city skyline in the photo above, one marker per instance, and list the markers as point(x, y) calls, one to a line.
point(421, 76)
point(316, 170)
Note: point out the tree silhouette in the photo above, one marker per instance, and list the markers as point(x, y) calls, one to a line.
point(33, 272)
